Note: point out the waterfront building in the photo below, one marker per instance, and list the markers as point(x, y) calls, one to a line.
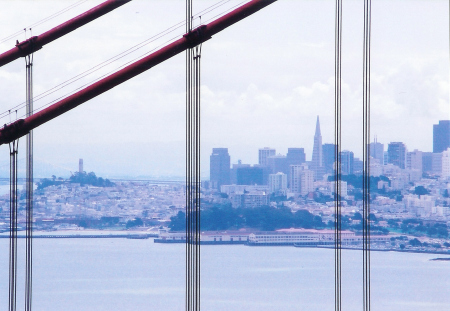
point(441, 136)
point(219, 167)
point(302, 237)
point(397, 154)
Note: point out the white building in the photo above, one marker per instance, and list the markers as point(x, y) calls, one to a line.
point(228, 189)
point(277, 182)
point(414, 160)
point(249, 200)
point(425, 205)
point(446, 164)
point(342, 185)
point(301, 237)
point(301, 179)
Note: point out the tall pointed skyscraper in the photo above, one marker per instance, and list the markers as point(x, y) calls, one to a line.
point(317, 161)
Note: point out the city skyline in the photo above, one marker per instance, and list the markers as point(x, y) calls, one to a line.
point(265, 152)
point(251, 97)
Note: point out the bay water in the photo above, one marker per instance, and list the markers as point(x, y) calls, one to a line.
point(126, 274)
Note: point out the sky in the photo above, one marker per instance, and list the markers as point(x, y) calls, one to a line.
point(264, 82)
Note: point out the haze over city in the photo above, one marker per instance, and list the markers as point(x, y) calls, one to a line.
point(263, 84)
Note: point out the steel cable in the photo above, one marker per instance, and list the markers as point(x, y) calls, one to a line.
point(337, 154)
point(366, 156)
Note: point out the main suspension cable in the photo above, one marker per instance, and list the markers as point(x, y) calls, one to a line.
point(11, 36)
point(114, 59)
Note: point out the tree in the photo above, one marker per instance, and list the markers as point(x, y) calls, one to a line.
point(83, 223)
point(420, 190)
point(415, 242)
point(134, 223)
point(178, 222)
point(357, 216)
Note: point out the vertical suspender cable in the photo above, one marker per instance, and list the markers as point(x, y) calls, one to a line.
point(29, 187)
point(366, 163)
point(13, 149)
point(188, 160)
point(192, 170)
point(337, 154)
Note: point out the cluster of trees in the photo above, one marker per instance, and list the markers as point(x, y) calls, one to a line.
point(134, 223)
point(417, 243)
point(90, 179)
point(416, 227)
point(44, 183)
point(224, 217)
point(266, 218)
point(80, 178)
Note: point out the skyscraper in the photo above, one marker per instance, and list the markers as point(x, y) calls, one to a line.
point(250, 175)
point(376, 151)
point(277, 163)
point(301, 179)
point(263, 154)
point(295, 156)
point(414, 160)
point(328, 157)
point(219, 167)
point(427, 162)
point(277, 182)
point(397, 154)
point(446, 164)
point(346, 159)
point(441, 136)
point(316, 161)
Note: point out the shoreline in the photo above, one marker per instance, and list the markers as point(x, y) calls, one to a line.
point(112, 234)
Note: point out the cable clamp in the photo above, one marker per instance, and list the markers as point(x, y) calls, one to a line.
point(196, 36)
point(28, 46)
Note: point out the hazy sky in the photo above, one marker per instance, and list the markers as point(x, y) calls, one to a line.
point(264, 81)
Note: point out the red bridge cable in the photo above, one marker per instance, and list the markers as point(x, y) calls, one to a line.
point(201, 34)
point(113, 59)
point(11, 36)
point(37, 42)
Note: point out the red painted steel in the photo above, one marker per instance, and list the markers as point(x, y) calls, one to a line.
point(201, 34)
point(37, 42)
